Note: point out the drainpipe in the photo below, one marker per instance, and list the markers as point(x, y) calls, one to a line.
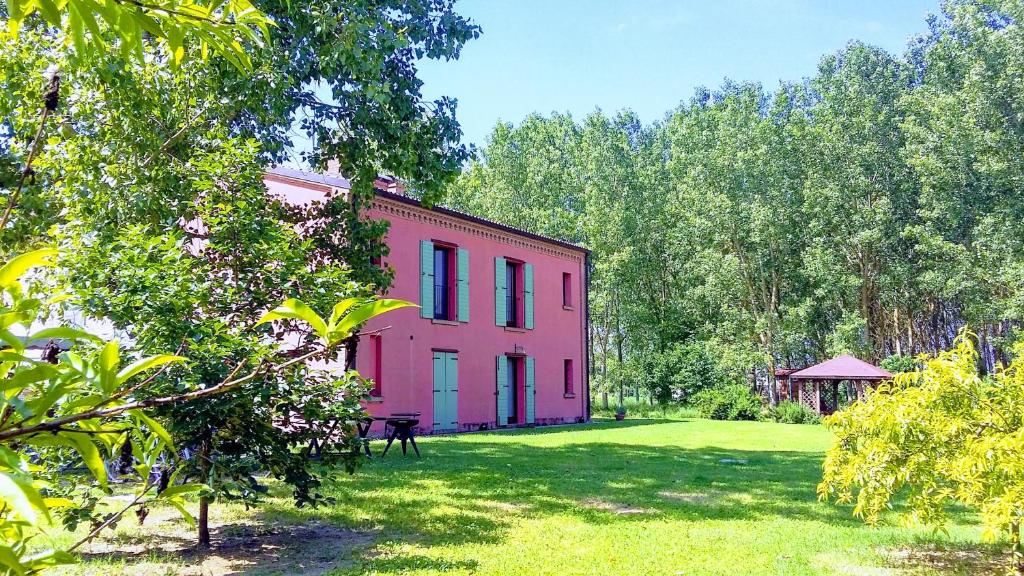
point(586, 337)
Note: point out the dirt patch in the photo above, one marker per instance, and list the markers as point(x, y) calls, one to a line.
point(975, 561)
point(504, 506)
point(311, 550)
point(615, 508)
point(687, 497)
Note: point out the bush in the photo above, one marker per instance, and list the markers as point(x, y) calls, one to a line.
point(898, 364)
point(789, 412)
point(733, 402)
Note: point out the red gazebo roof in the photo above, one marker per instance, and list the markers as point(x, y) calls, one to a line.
point(843, 367)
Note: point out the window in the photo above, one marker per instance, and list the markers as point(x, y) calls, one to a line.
point(443, 272)
point(566, 290)
point(512, 297)
point(568, 376)
point(513, 293)
point(375, 344)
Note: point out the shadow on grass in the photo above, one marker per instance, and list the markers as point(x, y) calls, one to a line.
point(471, 491)
point(467, 492)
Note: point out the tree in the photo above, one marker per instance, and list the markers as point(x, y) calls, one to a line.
point(153, 188)
point(935, 437)
point(85, 403)
point(873, 208)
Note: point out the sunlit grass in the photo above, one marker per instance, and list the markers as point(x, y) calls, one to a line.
point(636, 497)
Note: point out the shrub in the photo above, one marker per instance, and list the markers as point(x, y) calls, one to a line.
point(789, 412)
point(733, 402)
point(898, 364)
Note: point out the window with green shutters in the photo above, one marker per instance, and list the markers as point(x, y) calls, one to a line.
point(513, 293)
point(444, 281)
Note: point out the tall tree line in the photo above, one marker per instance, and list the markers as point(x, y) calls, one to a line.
point(874, 209)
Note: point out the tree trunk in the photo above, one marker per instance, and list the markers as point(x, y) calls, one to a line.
point(1016, 551)
point(205, 468)
point(604, 399)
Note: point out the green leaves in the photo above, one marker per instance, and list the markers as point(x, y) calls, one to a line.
point(145, 364)
point(346, 315)
point(17, 492)
point(223, 27)
point(15, 268)
point(295, 309)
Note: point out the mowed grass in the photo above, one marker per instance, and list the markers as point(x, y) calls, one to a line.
point(635, 497)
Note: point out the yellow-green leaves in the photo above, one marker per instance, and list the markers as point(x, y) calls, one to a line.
point(19, 265)
point(17, 493)
point(346, 316)
point(222, 26)
point(81, 405)
point(297, 310)
point(144, 364)
point(936, 437)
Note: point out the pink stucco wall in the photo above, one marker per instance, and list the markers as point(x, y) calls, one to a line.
point(408, 342)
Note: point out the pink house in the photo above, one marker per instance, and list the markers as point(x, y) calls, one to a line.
point(499, 339)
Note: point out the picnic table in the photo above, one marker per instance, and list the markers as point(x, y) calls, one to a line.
point(402, 425)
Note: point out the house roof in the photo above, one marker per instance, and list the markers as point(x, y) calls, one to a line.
point(843, 367)
point(340, 182)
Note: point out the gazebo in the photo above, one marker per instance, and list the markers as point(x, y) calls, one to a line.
point(818, 386)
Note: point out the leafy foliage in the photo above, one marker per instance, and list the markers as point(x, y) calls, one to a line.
point(224, 27)
point(150, 179)
point(88, 406)
point(897, 363)
point(933, 438)
point(789, 412)
point(82, 406)
point(874, 208)
point(733, 402)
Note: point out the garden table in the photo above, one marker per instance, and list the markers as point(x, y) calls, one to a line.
point(363, 429)
point(402, 427)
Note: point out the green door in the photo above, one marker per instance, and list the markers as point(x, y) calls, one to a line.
point(446, 391)
point(530, 391)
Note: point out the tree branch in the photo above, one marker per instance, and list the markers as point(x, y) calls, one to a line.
point(224, 386)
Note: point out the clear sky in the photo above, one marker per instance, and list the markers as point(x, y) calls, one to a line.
point(649, 55)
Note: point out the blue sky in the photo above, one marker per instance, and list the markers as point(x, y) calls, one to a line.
point(649, 55)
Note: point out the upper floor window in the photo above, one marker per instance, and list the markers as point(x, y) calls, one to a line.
point(443, 281)
point(513, 298)
point(513, 292)
point(566, 290)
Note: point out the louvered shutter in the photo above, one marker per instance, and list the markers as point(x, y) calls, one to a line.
point(426, 279)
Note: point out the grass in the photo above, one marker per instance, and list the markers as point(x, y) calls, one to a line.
point(634, 497)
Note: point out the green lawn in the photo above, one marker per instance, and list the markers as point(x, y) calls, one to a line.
point(636, 497)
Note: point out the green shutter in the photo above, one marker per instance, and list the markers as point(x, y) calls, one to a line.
point(463, 281)
point(500, 310)
point(439, 387)
point(528, 296)
point(426, 279)
point(502, 394)
point(529, 391)
point(451, 372)
point(446, 391)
